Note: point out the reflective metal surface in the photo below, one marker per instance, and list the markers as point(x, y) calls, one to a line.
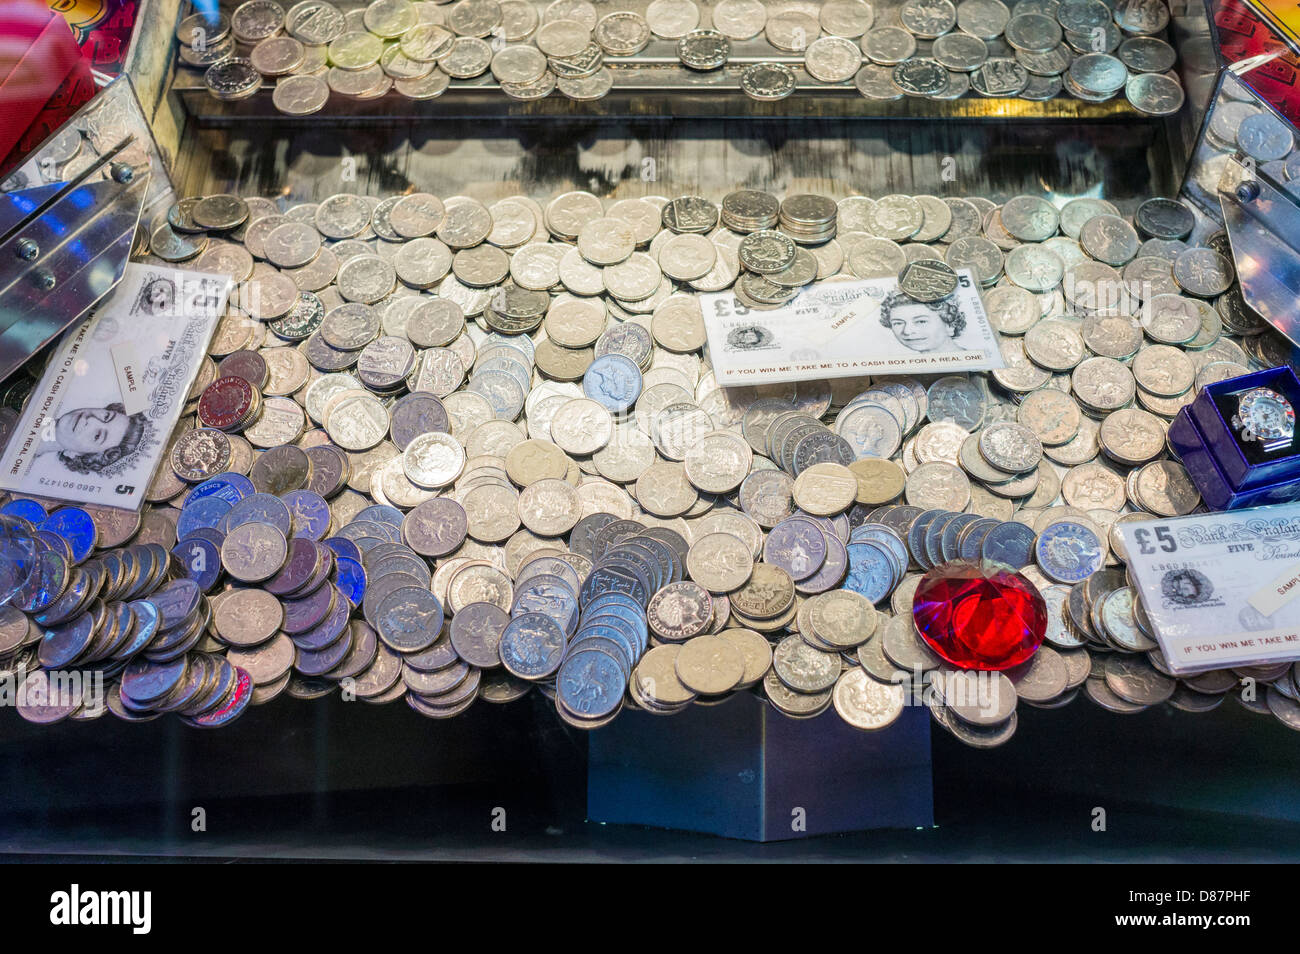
point(71, 242)
point(68, 217)
point(1241, 176)
point(112, 115)
point(1263, 223)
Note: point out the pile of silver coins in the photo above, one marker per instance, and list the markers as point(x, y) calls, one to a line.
point(446, 450)
point(1032, 49)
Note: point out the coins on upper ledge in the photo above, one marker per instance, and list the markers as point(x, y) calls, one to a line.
point(407, 50)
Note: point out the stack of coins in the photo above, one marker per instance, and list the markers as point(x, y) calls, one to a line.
point(1095, 77)
point(206, 690)
point(491, 455)
point(121, 617)
point(749, 211)
point(803, 680)
point(230, 403)
point(612, 632)
point(808, 219)
point(942, 51)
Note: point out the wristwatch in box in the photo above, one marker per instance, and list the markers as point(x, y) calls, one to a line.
point(1264, 415)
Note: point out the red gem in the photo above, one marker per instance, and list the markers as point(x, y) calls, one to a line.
point(979, 615)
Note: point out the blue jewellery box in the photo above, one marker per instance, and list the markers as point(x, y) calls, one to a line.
point(1248, 425)
point(1238, 440)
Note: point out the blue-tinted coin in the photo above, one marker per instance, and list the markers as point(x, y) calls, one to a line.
point(147, 618)
point(640, 563)
point(27, 509)
point(607, 600)
point(611, 639)
point(952, 530)
point(933, 542)
point(343, 547)
point(176, 602)
point(231, 487)
point(613, 380)
point(611, 534)
point(206, 513)
point(200, 561)
point(615, 579)
point(209, 533)
point(883, 535)
point(1011, 544)
point(75, 526)
point(797, 545)
point(674, 540)
point(916, 535)
point(53, 541)
point(549, 594)
point(634, 616)
point(611, 627)
point(971, 547)
point(671, 568)
point(258, 508)
point(381, 513)
point(832, 569)
point(45, 582)
point(309, 512)
point(550, 565)
point(630, 631)
point(114, 572)
point(590, 684)
point(646, 562)
point(871, 571)
point(532, 646)
point(140, 566)
point(72, 600)
point(350, 578)
point(62, 644)
point(1068, 552)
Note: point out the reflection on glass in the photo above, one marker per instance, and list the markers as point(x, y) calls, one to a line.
point(17, 555)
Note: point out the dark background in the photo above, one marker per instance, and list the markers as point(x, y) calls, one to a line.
point(332, 780)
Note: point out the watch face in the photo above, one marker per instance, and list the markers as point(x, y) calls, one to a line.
point(1266, 415)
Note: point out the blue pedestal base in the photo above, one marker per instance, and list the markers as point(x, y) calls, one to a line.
point(743, 770)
